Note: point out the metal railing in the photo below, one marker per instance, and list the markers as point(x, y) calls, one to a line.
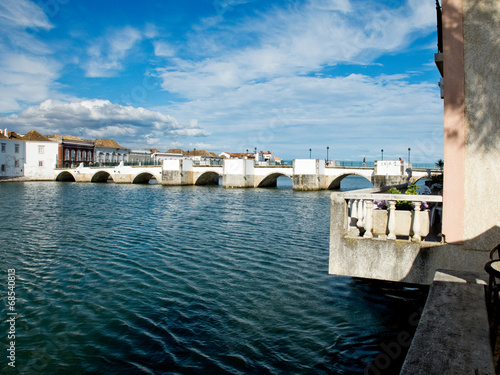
point(208, 163)
point(347, 163)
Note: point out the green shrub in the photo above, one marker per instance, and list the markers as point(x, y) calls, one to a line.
point(405, 205)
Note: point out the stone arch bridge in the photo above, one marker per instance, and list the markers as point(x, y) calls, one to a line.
point(306, 174)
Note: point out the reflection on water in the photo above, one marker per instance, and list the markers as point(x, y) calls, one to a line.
point(146, 279)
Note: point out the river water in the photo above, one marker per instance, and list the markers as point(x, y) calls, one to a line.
point(147, 279)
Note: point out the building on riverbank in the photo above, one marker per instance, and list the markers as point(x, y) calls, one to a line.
point(109, 151)
point(12, 155)
point(41, 156)
point(73, 150)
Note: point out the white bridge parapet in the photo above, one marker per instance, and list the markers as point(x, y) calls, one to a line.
point(306, 174)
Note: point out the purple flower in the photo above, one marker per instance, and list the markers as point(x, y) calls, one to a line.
point(424, 206)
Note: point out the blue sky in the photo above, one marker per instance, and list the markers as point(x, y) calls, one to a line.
point(227, 75)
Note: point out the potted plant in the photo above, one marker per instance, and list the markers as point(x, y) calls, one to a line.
point(405, 215)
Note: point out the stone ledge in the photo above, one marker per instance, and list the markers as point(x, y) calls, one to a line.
point(453, 334)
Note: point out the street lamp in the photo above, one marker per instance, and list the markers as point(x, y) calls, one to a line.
point(409, 149)
point(310, 150)
point(382, 151)
point(327, 148)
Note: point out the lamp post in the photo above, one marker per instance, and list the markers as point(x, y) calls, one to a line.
point(310, 153)
point(327, 148)
point(409, 150)
point(382, 151)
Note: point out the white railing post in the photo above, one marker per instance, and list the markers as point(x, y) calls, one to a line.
point(354, 212)
point(360, 222)
point(392, 220)
point(369, 219)
point(416, 223)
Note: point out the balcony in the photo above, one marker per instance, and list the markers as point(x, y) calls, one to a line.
point(371, 215)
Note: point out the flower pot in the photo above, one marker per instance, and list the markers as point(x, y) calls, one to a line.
point(404, 222)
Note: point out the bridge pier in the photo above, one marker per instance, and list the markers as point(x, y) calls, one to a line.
point(304, 180)
point(177, 172)
point(238, 173)
point(381, 181)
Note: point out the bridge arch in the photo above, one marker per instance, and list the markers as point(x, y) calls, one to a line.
point(65, 176)
point(415, 179)
point(335, 183)
point(143, 178)
point(101, 176)
point(271, 180)
point(208, 178)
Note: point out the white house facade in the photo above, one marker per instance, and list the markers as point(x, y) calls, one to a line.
point(41, 159)
point(12, 157)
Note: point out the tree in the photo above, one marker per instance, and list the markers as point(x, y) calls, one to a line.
point(440, 164)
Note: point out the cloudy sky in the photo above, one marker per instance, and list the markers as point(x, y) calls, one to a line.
point(356, 76)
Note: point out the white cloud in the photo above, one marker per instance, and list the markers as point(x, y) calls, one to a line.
point(100, 119)
point(294, 41)
point(333, 5)
point(27, 71)
point(288, 114)
point(106, 54)
point(163, 49)
point(23, 14)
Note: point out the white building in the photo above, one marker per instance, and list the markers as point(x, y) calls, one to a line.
point(140, 157)
point(109, 151)
point(12, 155)
point(41, 156)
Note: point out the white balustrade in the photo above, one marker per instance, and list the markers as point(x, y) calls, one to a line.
point(368, 219)
point(361, 213)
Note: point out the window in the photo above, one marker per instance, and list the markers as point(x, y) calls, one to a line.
point(78, 155)
point(40, 163)
point(66, 154)
point(4, 145)
point(41, 149)
point(73, 155)
point(3, 168)
point(84, 155)
point(16, 148)
point(16, 163)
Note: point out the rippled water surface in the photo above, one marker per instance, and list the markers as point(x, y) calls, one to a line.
point(146, 279)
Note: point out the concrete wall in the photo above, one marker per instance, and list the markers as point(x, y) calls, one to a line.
point(453, 333)
point(482, 126)
point(471, 38)
point(393, 260)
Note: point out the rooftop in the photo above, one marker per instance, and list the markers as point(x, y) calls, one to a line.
point(33, 135)
point(109, 143)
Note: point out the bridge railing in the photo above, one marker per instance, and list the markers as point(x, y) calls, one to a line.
point(348, 163)
point(104, 165)
point(273, 164)
point(375, 215)
point(208, 163)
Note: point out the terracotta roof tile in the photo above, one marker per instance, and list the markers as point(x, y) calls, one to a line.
point(110, 143)
point(33, 135)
